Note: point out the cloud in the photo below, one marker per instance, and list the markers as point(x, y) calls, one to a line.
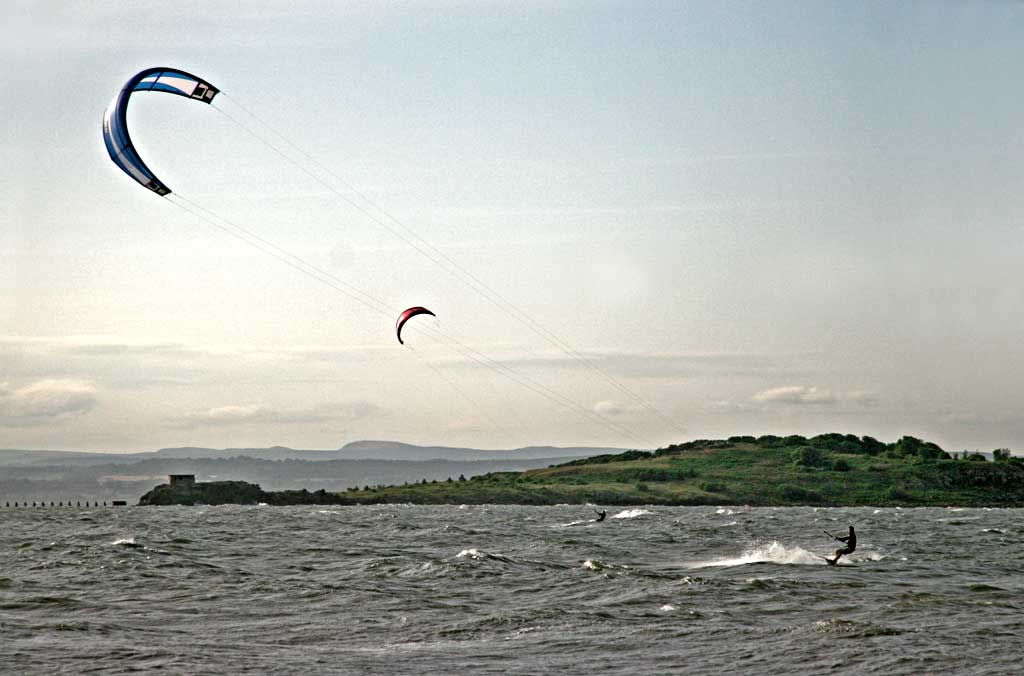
point(611, 408)
point(106, 346)
point(801, 395)
point(653, 365)
point(44, 401)
point(259, 414)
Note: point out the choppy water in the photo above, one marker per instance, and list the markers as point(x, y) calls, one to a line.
point(509, 590)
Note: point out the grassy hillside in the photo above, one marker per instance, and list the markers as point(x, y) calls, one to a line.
point(827, 470)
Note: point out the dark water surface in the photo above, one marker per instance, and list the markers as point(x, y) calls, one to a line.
point(509, 590)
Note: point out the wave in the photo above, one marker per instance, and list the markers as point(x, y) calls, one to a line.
point(631, 513)
point(766, 553)
point(598, 565)
point(475, 554)
point(853, 629)
point(863, 556)
point(127, 542)
point(576, 523)
point(472, 554)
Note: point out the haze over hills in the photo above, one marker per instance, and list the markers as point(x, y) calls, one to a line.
point(356, 450)
point(74, 475)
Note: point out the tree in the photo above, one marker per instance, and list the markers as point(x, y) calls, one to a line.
point(872, 446)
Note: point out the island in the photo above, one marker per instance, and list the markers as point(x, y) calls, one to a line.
point(828, 470)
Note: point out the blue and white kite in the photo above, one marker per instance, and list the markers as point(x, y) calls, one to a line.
point(115, 127)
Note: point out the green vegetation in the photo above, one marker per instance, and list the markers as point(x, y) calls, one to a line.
point(826, 470)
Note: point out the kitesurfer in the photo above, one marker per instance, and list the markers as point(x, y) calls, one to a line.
point(600, 515)
point(851, 546)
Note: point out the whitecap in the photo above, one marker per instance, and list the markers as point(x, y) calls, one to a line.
point(667, 607)
point(765, 553)
point(126, 542)
point(631, 513)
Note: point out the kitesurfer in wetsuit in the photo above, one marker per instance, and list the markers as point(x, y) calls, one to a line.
point(600, 515)
point(851, 546)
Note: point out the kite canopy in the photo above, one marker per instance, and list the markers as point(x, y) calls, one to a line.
point(115, 120)
point(406, 316)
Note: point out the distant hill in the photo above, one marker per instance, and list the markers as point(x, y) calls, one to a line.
point(394, 450)
point(19, 458)
point(356, 450)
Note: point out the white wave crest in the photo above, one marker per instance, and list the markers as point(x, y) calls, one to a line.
point(127, 542)
point(471, 554)
point(766, 553)
point(631, 513)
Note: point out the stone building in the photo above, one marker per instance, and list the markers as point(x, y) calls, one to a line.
point(182, 480)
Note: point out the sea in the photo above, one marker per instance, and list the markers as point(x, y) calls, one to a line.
point(407, 589)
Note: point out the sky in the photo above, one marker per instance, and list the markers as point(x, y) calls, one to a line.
point(737, 218)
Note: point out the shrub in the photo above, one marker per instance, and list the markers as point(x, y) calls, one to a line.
point(643, 488)
point(809, 456)
point(840, 465)
point(608, 457)
point(798, 494)
point(898, 493)
point(712, 487)
point(871, 445)
point(831, 441)
point(913, 446)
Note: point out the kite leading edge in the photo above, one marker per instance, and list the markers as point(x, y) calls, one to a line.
point(115, 122)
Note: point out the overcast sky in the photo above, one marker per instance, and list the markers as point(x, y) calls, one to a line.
point(758, 217)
